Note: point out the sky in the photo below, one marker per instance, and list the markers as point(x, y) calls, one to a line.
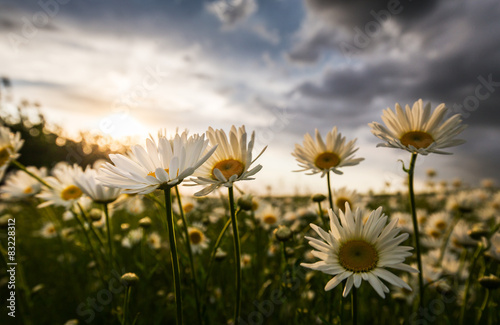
point(282, 68)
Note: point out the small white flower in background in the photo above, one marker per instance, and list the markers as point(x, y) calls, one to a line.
point(464, 201)
point(417, 130)
point(154, 240)
point(160, 165)
point(88, 182)
point(199, 242)
point(246, 260)
point(494, 250)
point(20, 185)
point(48, 230)
point(10, 144)
point(343, 195)
point(269, 216)
point(318, 156)
point(230, 162)
point(133, 237)
point(358, 251)
point(64, 191)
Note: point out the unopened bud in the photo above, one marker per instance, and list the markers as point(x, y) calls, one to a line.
point(490, 282)
point(130, 279)
point(318, 198)
point(95, 214)
point(283, 233)
point(245, 203)
point(478, 231)
point(125, 226)
point(220, 255)
point(145, 222)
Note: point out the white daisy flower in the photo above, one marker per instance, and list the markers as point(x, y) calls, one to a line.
point(358, 251)
point(317, 156)
point(161, 165)
point(87, 181)
point(20, 185)
point(64, 191)
point(269, 216)
point(417, 130)
point(10, 144)
point(48, 230)
point(199, 242)
point(494, 250)
point(343, 195)
point(230, 162)
point(154, 240)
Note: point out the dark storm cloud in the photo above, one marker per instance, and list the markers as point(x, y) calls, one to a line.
point(446, 51)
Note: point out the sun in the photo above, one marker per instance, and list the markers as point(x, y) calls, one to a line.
point(121, 125)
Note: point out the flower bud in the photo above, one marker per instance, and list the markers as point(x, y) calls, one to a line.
point(478, 231)
point(490, 282)
point(318, 198)
point(283, 233)
point(245, 203)
point(95, 214)
point(130, 279)
point(145, 222)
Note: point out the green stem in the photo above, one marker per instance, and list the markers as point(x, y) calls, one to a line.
point(237, 256)
point(190, 254)
point(214, 251)
point(92, 249)
point(125, 306)
point(108, 228)
point(24, 169)
point(411, 172)
point(322, 217)
point(330, 197)
point(447, 236)
point(89, 222)
point(173, 254)
point(354, 305)
point(483, 306)
point(477, 253)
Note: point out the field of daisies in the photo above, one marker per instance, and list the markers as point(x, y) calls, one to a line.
point(119, 242)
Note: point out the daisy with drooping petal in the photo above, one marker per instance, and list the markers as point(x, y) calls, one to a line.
point(317, 156)
point(10, 144)
point(417, 130)
point(20, 185)
point(88, 182)
point(355, 251)
point(230, 162)
point(161, 165)
point(64, 191)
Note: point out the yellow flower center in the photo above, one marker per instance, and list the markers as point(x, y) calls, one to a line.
point(195, 236)
point(154, 174)
point(269, 219)
point(441, 225)
point(229, 167)
point(28, 190)
point(327, 160)
point(418, 139)
point(358, 256)
point(5, 153)
point(188, 207)
point(435, 233)
point(341, 201)
point(70, 193)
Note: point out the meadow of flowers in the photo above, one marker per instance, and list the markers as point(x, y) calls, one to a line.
point(118, 242)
